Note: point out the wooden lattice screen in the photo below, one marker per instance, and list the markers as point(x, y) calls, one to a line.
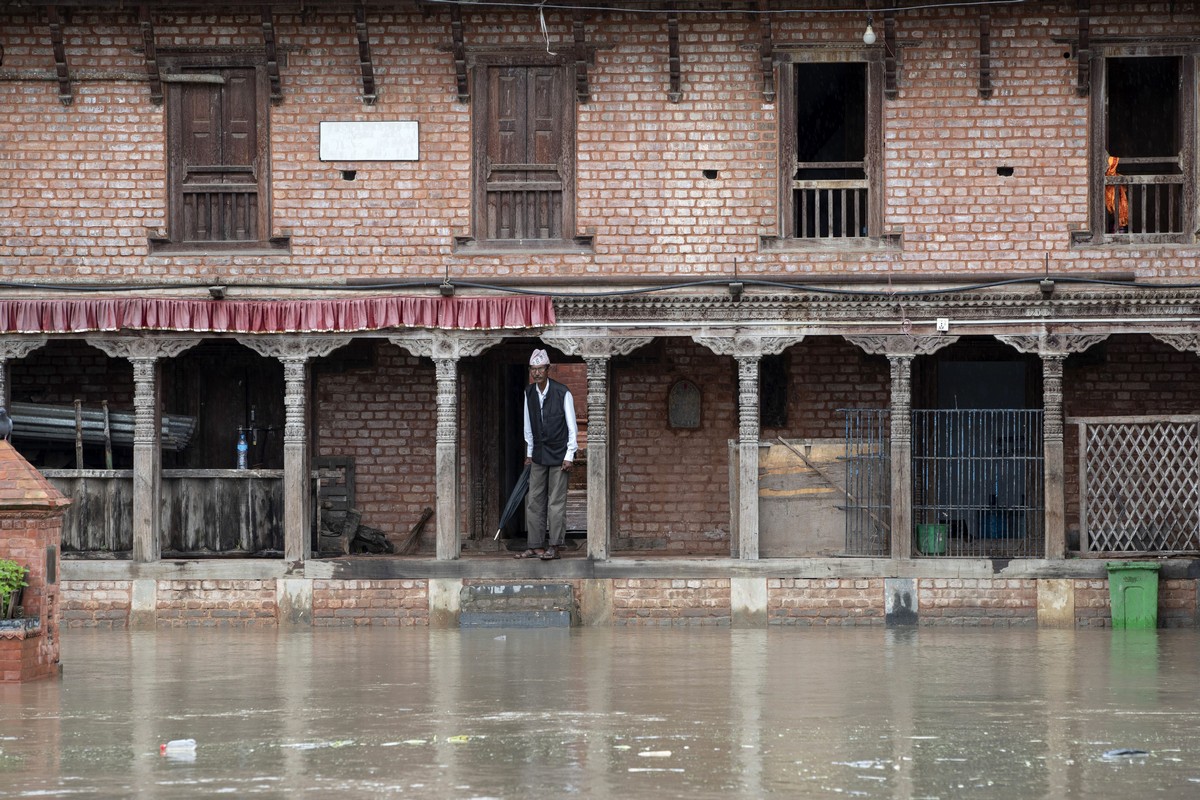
point(1138, 484)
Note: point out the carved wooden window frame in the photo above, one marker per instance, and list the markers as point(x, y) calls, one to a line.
point(1097, 233)
point(873, 58)
point(175, 64)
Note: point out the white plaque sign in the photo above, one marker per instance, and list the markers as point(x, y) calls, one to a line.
point(369, 141)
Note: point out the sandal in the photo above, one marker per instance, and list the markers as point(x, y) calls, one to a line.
point(550, 554)
point(530, 554)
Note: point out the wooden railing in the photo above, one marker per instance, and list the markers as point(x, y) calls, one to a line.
point(1155, 201)
point(834, 208)
point(220, 212)
point(524, 201)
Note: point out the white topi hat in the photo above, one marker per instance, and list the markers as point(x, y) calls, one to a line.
point(540, 358)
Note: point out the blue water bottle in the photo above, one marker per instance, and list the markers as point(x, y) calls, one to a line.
point(243, 450)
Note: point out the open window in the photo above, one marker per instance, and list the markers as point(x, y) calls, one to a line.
point(218, 163)
point(1143, 143)
point(830, 112)
point(523, 110)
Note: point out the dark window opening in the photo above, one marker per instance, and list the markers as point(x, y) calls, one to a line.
point(830, 184)
point(1144, 163)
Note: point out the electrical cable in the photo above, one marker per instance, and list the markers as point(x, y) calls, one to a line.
point(641, 290)
point(749, 10)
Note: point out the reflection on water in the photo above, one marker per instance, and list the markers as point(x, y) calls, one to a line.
point(610, 713)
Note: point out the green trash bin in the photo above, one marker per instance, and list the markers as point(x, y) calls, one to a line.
point(1133, 594)
point(931, 539)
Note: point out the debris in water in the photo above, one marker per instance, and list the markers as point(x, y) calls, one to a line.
point(177, 747)
point(1125, 752)
point(655, 754)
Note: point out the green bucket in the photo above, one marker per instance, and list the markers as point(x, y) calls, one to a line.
point(1133, 594)
point(931, 539)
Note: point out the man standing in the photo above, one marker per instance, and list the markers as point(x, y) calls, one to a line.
point(551, 439)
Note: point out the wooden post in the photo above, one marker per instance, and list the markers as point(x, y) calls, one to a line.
point(599, 517)
point(1052, 436)
point(147, 456)
point(901, 445)
point(446, 459)
point(748, 430)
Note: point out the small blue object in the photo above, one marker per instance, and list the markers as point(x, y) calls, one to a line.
point(243, 451)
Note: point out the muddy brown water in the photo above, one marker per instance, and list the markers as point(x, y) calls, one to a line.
point(610, 713)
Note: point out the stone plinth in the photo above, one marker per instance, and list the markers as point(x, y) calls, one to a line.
point(30, 532)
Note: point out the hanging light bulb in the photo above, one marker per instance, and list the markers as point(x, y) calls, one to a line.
point(869, 33)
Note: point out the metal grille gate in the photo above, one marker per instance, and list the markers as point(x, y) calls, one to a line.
point(1138, 492)
point(978, 483)
point(868, 482)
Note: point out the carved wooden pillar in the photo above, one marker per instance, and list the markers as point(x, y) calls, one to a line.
point(446, 459)
point(901, 447)
point(147, 460)
point(297, 506)
point(294, 352)
point(446, 349)
point(1052, 444)
point(143, 353)
point(748, 432)
point(599, 501)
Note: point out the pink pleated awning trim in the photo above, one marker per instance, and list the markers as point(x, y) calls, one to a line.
point(275, 316)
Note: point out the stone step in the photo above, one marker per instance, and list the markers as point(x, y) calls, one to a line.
point(517, 605)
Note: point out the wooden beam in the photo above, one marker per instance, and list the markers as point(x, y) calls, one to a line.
point(675, 92)
point(1083, 50)
point(152, 70)
point(268, 26)
point(364, 55)
point(60, 55)
point(460, 54)
point(766, 53)
point(582, 92)
point(985, 55)
point(889, 56)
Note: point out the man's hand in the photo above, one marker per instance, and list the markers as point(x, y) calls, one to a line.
point(528, 461)
point(566, 467)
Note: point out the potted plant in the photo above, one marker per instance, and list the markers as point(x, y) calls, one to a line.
point(12, 582)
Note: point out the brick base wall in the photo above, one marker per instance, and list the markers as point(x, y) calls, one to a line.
point(387, 603)
point(96, 604)
point(218, 603)
point(977, 602)
point(816, 602)
point(671, 602)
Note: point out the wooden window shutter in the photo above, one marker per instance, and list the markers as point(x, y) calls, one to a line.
point(524, 170)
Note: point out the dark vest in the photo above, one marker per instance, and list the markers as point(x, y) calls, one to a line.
point(548, 423)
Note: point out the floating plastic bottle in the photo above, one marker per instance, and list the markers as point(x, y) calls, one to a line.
point(243, 450)
point(177, 747)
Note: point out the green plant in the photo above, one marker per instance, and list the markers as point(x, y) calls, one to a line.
point(12, 581)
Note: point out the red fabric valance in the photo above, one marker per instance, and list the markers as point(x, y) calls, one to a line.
point(274, 316)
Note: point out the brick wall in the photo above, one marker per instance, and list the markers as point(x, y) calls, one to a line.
point(673, 484)
point(825, 602)
point(96, 604)
point(385, 603)
point(991, 603)
point(665, 601)
point(385, 419)
point(825, 374)
point(216, 603)
point(92, 174)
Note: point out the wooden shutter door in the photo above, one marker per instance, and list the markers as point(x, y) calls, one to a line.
point(218, 193)
point(524, 181)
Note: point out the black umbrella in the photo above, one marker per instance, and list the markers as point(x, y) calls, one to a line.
point(514, 500)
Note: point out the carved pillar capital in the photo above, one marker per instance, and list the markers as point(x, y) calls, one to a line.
point(595, 343)
point(885, 345)
point(19, 346)
point(1044, 344)
point(748, 429)
point(1052, 396)
point(142, 347)
point(742, 344)
point(444, 344)
point(1184, 342)
point(293, 348)
point(597, 400)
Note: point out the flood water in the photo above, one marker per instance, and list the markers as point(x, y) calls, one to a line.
point(610, 713)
